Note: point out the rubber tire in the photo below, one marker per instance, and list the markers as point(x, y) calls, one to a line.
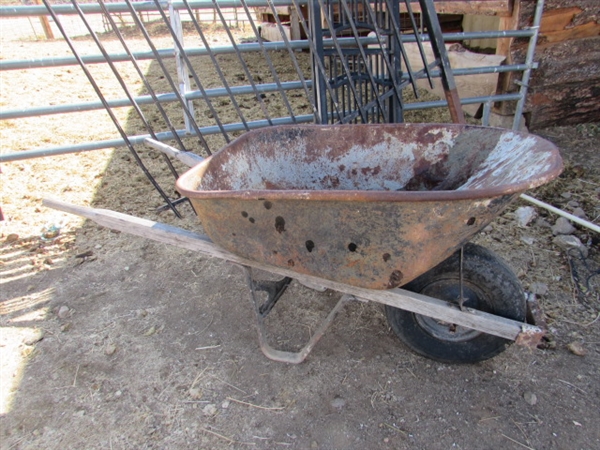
point(491, 287)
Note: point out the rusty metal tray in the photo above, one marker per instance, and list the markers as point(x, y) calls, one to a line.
point(372, 206)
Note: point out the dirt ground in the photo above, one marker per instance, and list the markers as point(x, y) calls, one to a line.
point(110, 341)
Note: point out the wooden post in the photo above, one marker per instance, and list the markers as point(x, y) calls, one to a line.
point(45, 23)
point(508, 23)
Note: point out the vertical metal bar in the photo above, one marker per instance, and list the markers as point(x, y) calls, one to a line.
point(347, 72)
point(168, 77)
point(396, 33)
point(529, 62)
point(487, 109)
point(291, 52)
point(418, 31)
point(320, 81)
point(321, 85)
point(199, 84)
point(391, 57)
point(365, 60)
point(182, 72)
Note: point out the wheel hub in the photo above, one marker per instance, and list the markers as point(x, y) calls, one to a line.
point(450, 291)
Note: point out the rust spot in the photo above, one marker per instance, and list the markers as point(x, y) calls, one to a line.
point(332, 181)
point(279, 224)
point(342, 168)
point(291, 263)
point(268, 205)
point(395, 279)
point(386, 257)
point(370, 170)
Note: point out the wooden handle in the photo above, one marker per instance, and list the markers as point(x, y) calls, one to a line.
point(509, 329)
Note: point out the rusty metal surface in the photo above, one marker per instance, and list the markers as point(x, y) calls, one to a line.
point(530, 336)
point(369, 205)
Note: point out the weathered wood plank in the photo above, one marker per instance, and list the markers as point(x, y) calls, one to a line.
point(479, 7)
point(565, 88)
point(586, 30)
point(565, 62)
point(410, 301)
point(558, 19)
point(568, 104)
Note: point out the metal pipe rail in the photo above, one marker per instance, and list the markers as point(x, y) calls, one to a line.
point(363, 42)
point(233, 127)
point(244, 90)
point(250, 47)
point(93, 8)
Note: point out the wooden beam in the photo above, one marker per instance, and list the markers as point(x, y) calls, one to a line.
point(558, 19)
point(510, 22)
point(501, 8)
point(586, 30)
point(45, 24)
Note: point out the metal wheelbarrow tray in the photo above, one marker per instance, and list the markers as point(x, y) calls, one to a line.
point(362, 209)
point(372, 206)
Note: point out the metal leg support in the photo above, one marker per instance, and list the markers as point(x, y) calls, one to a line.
point(275, 290)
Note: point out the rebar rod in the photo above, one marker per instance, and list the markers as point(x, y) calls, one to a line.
point(168, 77)
point(269, 62)
point(217, 67)
point(153, 97)
point(245, 68)
point(114, 119)
point(199, 84)
point(119, 79)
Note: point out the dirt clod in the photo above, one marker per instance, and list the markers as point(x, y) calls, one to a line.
point(12, 237)
point(110, 349)
point(577, 348)
point(63, 312)
point(530, 398)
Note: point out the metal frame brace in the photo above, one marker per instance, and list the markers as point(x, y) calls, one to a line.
point(275, 290)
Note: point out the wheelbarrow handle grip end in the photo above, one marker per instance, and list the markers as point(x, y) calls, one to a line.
point(188, 158)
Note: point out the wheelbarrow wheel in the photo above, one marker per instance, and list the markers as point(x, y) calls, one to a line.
point(488, 285)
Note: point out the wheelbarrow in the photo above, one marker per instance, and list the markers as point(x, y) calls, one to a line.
point(377, 212)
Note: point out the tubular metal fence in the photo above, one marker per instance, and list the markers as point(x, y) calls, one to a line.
point(347, 60)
